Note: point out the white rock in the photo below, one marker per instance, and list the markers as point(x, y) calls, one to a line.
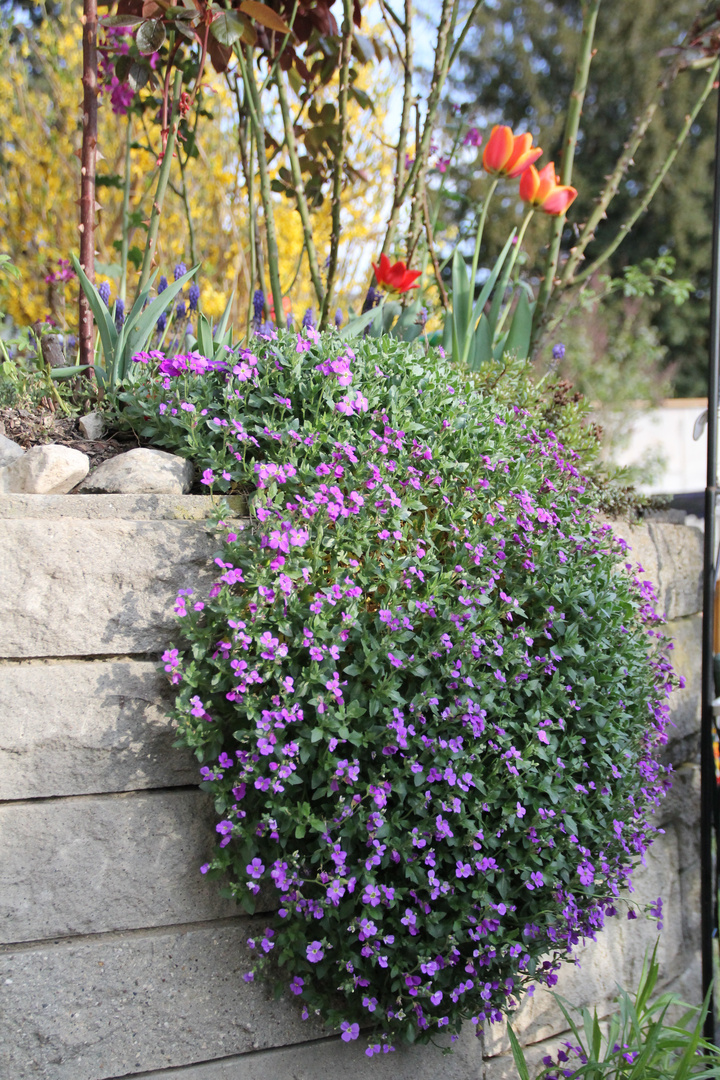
point(9, 451)
point(47, 470)
point(91, 426)
point(142, 471)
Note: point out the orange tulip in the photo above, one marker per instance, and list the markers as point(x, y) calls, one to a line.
point(507, 154)
point(543, 190)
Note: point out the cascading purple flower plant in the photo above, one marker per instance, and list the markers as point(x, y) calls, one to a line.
point(444, 739)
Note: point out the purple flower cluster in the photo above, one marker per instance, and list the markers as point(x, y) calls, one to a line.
point(427, 701)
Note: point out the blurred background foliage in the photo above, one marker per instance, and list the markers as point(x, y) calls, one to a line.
point(518, 67)
point(40, 96)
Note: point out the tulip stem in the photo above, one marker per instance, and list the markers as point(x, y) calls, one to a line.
point(473, 272)
point(507, 272)
point(572, 124)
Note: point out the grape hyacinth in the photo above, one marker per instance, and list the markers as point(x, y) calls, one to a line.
point(558, 352)
point(104, 291)
point(308, 321)
point(371, 300)
point(258, 308)
point(338, 318)
point(193, 296)
point(162, 284)
point(119, 313)
point(180, 309)
point(180, 269)
point(162, 322)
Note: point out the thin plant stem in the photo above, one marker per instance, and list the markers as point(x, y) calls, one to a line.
point(163, 177)
point(299, 186)
point(656, 182)
point(509, 267)
point(431, 248)
point(88, 158)
point(474, 266)
point(126, 213)
point(404, 128)
point(258, 123)
point(572, 124)
point(339, 165)
point(624, 162)
point(188, 215)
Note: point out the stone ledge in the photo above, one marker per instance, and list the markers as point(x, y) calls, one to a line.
point(331, 1058)
point(103, 863)
point(117, 507)
point(110, 1007)
point(87, 727)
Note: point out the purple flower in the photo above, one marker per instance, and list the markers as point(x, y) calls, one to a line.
point(193, 296)
point(296, 985)
point(180, 269)
point(255, 869)
point(372, 298)
point(162, 284)
point(119, 314)
point(104, 290)
point(338, 318)
point(180, 309)
point(162, 322)
point(258, 302)
point(307, 320)
point(315, 952)
point(349, 1031)
point(208, 477)
point(473, 137)
point(558, 352)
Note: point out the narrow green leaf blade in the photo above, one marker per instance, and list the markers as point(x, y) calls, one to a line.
point(103, 319)
point(518, 339)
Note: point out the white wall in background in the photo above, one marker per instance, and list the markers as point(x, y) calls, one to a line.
point(667, 433)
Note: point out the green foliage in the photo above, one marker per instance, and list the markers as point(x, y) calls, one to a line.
point(659, 1038)
point(518, 67)
point(420, 685)
point(119, 346)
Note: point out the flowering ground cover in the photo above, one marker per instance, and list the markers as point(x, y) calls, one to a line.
point(427, 695)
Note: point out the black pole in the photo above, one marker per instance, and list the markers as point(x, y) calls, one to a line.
point(708, 795)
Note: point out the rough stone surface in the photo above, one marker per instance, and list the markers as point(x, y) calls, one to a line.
point(78, 728)
point(9, 451)
point(96, 588)
point(142, 471)
point(109, 1006)
point(681, 811)
point(91, 426)
point(116, 507)
point(685, 704)
point(46, 470)
point(672, 557)
point(98, 863)
point(331, 1058)
point(616, 956)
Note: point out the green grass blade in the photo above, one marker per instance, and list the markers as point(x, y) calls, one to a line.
point(518, 1056)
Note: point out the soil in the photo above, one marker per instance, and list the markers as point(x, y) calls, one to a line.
point(35, 427)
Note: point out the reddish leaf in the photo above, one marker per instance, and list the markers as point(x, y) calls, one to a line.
point(265, 16)
point(219, 54)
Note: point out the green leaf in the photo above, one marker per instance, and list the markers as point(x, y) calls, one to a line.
point(103, 319)
point(518, 339)
point(461, 301)
point(490, 283)
point(138, 335)
point(150, 37)
point(356, 326)
point(204, 337)
point(518, 1056)
point(121, 20)
point(67, 372)
point(222, 330)
point(138, 75)
point(228, 28)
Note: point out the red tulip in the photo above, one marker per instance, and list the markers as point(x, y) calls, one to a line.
point(507, 154)
point(395, 276)
point(543, 190)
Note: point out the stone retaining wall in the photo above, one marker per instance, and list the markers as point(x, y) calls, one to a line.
point(116, 958)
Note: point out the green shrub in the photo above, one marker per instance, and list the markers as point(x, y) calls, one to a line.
point(427, 696)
